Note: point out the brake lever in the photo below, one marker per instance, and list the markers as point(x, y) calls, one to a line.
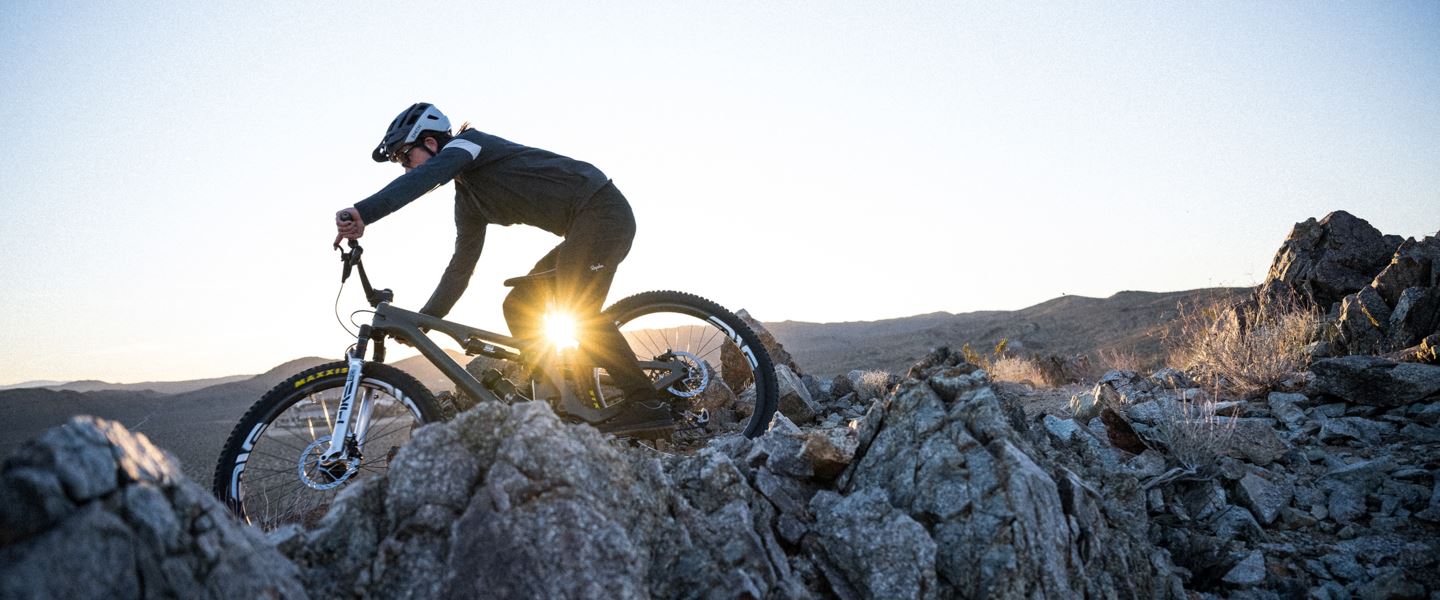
point(345, 273)
point(352, 257)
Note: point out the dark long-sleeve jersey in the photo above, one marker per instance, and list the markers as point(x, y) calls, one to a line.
point(496, 181)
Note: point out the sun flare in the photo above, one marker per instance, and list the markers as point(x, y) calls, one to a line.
point(560, 331)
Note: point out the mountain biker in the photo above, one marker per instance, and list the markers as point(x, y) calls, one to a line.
point(503, 183)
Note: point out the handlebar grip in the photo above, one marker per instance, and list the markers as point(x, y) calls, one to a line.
point(346, 216)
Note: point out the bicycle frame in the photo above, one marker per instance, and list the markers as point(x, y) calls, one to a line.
point(405, 325)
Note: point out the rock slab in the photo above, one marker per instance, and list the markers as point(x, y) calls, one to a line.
point(91, 510)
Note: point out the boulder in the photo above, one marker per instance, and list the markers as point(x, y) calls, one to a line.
point(1264, 498)
point(1321, 262)
point(1414, 265)
point(793, 397)
point(1426, 352)
point(1003, 525)
point(1375, 381)
point(1249, 571)
point(1364, 317)
point(1416, 316)
point(1253, 440)
point(1286, 408)
point(882, 551)
point(1365, 474)
point(777, 352)
point(1085, 406)
point(91, 510)
point(830, 450)
point(1355, 428)
point(531, 506)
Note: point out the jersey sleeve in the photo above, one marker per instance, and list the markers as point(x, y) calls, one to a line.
point(436, 171)
point(469, 241)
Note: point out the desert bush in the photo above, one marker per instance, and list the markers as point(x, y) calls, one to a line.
point(872, 385)
point(1187, 430)
point(1018, 370)
point(1243, 349)
point(1122, 360)
point(1191, 434)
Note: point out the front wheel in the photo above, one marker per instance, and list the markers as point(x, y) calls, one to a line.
point(269, 472)
point(730, 381)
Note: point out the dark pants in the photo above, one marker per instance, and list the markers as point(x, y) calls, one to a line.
point(584, 265)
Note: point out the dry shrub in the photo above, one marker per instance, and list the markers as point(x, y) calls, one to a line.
point(1123, 360)
point(1018, 370)
point(1192, 434)
point(1187, 430)
point(872, 385)
point(1245, 349)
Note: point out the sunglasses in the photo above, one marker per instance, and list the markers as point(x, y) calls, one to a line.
point(402, 155)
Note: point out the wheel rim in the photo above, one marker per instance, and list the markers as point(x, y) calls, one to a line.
point(720, 381)
point(279, 481)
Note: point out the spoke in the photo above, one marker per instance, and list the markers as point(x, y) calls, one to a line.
point(277, 440)
point(280, 457)
point(384, 432)
point(325, 409)
point(653, 350)
point(713, 332)
point(250, 481)
point(294, 497)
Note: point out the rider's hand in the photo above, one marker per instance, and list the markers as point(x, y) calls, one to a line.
point(352, 229)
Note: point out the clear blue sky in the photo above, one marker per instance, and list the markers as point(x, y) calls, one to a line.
point(174, 166)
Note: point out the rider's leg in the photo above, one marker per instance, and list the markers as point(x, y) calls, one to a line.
point(584, 268)
point(525, 305)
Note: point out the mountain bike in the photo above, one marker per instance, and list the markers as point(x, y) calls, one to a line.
point(328, 426)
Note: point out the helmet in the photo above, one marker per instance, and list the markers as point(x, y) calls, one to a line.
point(407, 127)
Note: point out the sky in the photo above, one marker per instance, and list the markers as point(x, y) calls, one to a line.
point(175, 167)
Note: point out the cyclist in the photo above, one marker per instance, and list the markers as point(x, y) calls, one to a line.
point(503, 183)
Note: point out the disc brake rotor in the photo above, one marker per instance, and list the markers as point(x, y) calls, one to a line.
point(324, 477)
point(697, 376)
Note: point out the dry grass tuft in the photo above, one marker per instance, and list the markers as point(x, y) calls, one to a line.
point(1192, 434)
point(1123, 360)
point(872, 385)
point(1244, 349)
point(1018, 370)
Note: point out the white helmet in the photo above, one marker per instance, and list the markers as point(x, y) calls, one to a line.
point(407, 127)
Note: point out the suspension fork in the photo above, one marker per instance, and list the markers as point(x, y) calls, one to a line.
point(343, 438)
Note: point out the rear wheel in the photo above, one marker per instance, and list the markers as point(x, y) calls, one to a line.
point(270, 473)
point(729, 382)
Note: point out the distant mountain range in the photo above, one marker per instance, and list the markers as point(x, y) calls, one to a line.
point(1127, 322)
point(192, 422)
point(416, 366)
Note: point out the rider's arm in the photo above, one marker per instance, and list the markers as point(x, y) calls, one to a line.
point(469, 241)
point(442, 167)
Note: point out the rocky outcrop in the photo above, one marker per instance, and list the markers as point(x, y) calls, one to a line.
point(512, 502)
point(1380, 294)
point(1399, 308)
point(1322, 261)
point(828, 510)
point(1007, 521)
point(1327, 493)
point(940, 487)
point(90, 510)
